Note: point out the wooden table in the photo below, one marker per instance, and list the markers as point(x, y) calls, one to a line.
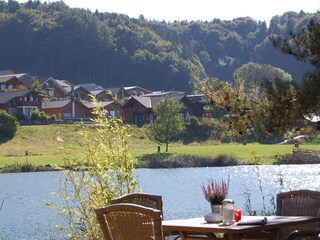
point(200, 226)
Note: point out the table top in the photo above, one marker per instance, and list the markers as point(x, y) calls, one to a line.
point(200, 225)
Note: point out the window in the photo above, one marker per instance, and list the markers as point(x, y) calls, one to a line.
point(67, 115)
point(51, 92)
point(3, 87)
point(10, 87)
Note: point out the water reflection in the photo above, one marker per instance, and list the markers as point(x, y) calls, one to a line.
point(25, 216)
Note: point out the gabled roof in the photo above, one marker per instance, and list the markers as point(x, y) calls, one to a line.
point(113, 90)
point(26, 78)
point(91, 105)
point(55, 104)
point(96, 92)
point(145, 101)
point(42, 79)
point(151, 101)
point(90, 86)
point(136, 88)
point(81, 87)
point(6, 78)
point(63, 85)
point(169, 93)
point(67, 86)
point(7, 96)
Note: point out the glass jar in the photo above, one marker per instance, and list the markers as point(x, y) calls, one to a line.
point(228, 212)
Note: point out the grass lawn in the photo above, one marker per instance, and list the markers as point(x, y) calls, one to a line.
point(43, 148)
point(239, 151)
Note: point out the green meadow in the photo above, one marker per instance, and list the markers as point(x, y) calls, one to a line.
point(43, 148)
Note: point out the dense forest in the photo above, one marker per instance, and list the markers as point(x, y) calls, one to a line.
point(112, 50)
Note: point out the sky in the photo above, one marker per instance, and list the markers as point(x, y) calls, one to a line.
point(205, 10)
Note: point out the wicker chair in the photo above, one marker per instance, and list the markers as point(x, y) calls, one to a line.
point(143, 199)
point(128, 221)
point(298, 203)
point(153, 201)
point(298, 234)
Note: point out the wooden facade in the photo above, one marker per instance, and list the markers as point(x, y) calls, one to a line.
point(21, 102)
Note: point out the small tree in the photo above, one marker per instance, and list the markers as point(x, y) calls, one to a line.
point(8, 125)
point(169, 122)
point(36, 85)
point(104, 171)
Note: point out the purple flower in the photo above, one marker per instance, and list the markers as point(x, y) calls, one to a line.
point(215, 192)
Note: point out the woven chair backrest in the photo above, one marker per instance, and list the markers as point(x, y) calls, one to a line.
point(128, 221)
point(298, 203)
point(143, 199)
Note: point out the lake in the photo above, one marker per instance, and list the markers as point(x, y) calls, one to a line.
point(24, 215)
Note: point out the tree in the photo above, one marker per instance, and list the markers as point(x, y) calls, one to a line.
point(169, 122)
point(251, 108)
point(8, 125)
point(254, 72)
point(36, 85)
point(305, 46)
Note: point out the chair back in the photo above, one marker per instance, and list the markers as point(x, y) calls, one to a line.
point(128, 221)
point(143, 199)
point(298, 203)
point(299, 234)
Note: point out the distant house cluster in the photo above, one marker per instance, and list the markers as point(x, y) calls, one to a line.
point(70, 102)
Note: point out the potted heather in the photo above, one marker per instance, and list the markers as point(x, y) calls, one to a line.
point(215, 192)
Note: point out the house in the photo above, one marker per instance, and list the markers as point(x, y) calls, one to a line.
point(108, 106)
point(74, 110)
point(81, 93)
point(55, 88)
point(138, 110)
point(9, 83)
point(126, 92)
point(23, 102)
point(198, 100)
point(26, 79)
point(102, 95)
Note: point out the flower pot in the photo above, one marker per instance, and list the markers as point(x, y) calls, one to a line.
point(216, 209)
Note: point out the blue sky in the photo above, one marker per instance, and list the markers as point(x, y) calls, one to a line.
point(171, 10)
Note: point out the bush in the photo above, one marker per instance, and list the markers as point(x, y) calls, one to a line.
point(20, 116)
point(38, 115)
point(8, 125)
point(41, 116)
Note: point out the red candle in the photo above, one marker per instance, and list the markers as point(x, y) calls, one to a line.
point(237, 215)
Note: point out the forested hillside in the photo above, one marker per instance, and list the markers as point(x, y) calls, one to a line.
point(114, 50)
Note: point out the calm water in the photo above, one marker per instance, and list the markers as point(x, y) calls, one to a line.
point(25, 216)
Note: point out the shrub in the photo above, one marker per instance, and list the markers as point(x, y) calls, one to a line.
point(20, 116)
point(103, 172)
point(41, 116)
point(8, 125)
point(38, 115)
